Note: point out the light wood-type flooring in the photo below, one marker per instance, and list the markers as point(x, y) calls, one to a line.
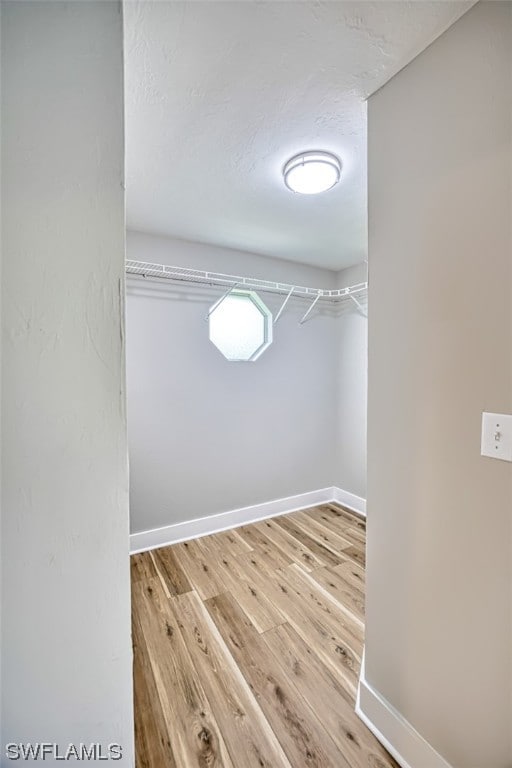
point(247, 647)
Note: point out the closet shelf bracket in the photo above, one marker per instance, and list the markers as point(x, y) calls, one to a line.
point(283, 305)
point(219, 301)
point(309, 311)
point(358, 305)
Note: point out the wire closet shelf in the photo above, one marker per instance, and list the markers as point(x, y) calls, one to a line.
point(182, 274)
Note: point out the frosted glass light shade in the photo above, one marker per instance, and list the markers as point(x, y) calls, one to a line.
point(312, 172)
point(241, 326)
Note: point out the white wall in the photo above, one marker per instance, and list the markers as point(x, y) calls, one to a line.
point(438, 634)
point(207, 435)
point(352, 373)
point(66, 654)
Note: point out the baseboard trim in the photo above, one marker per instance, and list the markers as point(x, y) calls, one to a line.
point(395, 733)
point(349, 500)
point(224, 521)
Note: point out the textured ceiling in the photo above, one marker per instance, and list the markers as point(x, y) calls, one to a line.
point(220, 94)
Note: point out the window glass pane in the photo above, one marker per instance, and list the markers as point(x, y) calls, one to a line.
point(240, 327)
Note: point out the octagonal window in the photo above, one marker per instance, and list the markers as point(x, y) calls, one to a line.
point(241, 326)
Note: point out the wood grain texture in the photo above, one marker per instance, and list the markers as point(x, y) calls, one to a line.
point(247, 647)
point(152, 743)
point(173, 574)
point(327, 697)
point(296, 726)
point(339, 586)
point(191, 727)
point(248, 736)
point(142, 567)
point(290, 545)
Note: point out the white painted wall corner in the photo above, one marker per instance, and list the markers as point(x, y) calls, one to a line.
point(204, 526)
point(350, 500)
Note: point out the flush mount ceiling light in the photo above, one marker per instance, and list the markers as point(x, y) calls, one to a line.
point(312, 172)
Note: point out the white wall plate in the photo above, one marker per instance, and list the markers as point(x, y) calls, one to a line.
point(497, 436)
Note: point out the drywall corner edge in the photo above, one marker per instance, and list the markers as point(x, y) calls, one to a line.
point(224, 521)
point(395, 733)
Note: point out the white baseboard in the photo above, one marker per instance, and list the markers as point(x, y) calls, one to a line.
point(395, 733)
point(203, 526)
point(350, 500)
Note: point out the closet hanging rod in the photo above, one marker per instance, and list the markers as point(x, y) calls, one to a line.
point(183, 274)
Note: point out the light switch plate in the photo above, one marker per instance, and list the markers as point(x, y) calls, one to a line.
point(497, 436)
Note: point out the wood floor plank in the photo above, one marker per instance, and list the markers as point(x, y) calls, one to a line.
point(314, 544)
point(247, 733)
point(317, 596)
point(171, 571)
point(200, 572)
point(328, 698)
point(356, 534)
point(344, 529)
point(357, 554)
point(239, 581)
point(317, 622)
point(248, 644)
point(330, 522)
point(330, 639)
point(231, 542)
point(301, 734)
point(326, 609)
point(252, 598)
point(291, 546)
point(153, 746)
point(342, 590)
point(325, 536)
point(257, 566)
point(142, 567)
point(193, 731)
point(301, 597)
point(356, 520)
point(336, 518)
point(353, 573)
point(259, 559)
point(261, 544)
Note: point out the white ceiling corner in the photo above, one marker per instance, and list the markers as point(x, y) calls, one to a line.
point(220, 94)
